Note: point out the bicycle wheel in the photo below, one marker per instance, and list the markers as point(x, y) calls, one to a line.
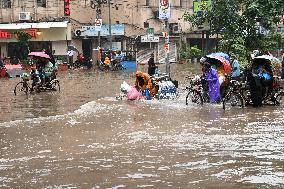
point(194, 97)
point(278, 98)
point(21, 88)
point(233, 100)
point(55, 85)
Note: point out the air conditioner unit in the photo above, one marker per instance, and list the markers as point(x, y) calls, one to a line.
point(176, 28)
point(24, 16)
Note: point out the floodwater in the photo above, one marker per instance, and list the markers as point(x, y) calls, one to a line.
point(82, 137)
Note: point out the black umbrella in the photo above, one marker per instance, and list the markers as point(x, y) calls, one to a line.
point(72, 48)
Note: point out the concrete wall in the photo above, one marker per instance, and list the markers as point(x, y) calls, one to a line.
point(132, 13)
point(54, 8)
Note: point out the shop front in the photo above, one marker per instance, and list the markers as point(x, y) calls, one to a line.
point(49, 36)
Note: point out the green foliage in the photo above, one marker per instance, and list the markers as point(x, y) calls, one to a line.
point(195, 52)
point(26, 62)
point(61, 58)
point(238, 21)
point(184, 51)
point(22, 36)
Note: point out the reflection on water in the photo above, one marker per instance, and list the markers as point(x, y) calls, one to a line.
point(83, 138)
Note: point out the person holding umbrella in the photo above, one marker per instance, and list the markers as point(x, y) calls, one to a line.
point(45, 68)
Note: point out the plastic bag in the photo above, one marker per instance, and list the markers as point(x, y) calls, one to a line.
point(124, 87)
point(133, 94)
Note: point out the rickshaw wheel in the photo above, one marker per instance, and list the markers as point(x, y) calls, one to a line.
point(21, 88)
point(278, 99)
point(233, 100)
point(194, 97)
point(55, 85)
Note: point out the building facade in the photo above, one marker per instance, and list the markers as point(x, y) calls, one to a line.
point(53, 30)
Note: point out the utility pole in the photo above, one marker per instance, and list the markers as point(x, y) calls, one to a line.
point(109, 17)
point(165, 14)
point(167, 43)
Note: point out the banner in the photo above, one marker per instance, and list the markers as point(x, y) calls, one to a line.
point(66, 7)
point(116, 30)
point(164, 9)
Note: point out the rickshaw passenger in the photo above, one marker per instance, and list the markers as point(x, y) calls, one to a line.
point(236, 68)
point(107, 61)
point(267, 76)
point(45, 69)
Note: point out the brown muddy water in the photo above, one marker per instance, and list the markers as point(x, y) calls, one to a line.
point(82, 137)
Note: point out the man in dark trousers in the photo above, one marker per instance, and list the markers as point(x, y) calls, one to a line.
point(151, 65)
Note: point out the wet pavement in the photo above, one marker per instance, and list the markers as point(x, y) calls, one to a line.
point(82, 137)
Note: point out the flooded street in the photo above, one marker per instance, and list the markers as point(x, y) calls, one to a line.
point(82, 137)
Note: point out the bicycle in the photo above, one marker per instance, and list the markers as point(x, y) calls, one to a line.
point(32, 83)
point(196, 93)
point(234, 95)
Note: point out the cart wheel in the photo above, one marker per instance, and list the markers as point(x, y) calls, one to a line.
point(233, 100)
point(21, 88)
point(278, 99)
point(55, 85)
point(194, 97)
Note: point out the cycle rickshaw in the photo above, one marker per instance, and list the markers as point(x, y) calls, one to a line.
point(263, 84)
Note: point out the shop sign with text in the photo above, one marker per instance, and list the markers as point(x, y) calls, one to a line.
point(4, 34)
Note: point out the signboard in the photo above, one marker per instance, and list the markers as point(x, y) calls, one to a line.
point(5, 34)
point(146, 39)
point(150, 33)
point(66, 7)
point(116, 29)
point(8, 35)
point(164, 9)
point(199, 5)
point(98, 24)
point(167, 48)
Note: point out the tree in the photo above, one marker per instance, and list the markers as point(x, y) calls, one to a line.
point(239, 21)
point(23, 39)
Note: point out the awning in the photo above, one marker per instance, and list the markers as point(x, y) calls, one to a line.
point(15, 26)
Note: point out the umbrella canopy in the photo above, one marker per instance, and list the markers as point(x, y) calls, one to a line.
point(267, 60)
point(39, 54)
point(262, 60)
point(265, 57)
point(222, 54)
point(220, 61)
point(72, 48)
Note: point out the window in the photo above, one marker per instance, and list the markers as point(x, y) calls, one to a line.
point(6, 3)
point(147, 2)
point(41, 3)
